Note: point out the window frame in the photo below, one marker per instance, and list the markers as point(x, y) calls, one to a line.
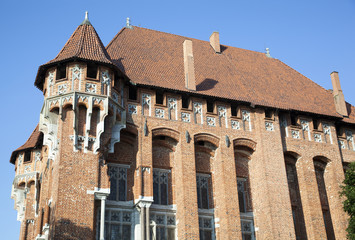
point(153, 223)
point(119, 166)
point(199, 190)
point(168, 173)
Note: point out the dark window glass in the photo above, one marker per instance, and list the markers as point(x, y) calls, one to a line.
point(185, 101)
point(202, 191)
point(234, 110)
point(293, 120)
point(61, 72)
point(91, 70)
point(160, 186)
point(268, 113)
point(27, 157)
point(159, 97)
point(241, 195)
point(132, 93)
point(209, 106)
point(315, 124)
point(118, 179)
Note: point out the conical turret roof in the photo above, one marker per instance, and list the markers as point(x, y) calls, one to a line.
point(84, 44)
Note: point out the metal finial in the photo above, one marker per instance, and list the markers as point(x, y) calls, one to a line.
point(268, 52)
point(128, 23)
point(86, 20)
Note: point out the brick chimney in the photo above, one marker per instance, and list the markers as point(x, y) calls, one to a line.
point(339, 99)
point(190, 82)
point(214, 41)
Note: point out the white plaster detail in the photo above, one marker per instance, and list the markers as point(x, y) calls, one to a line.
point(235, 124)
point(246, 120)
point(342, 144)
point(90, 88)
point(185, 117)
point(159, 113)
point(198, 111)
point(317, 137)
point(37, 159)
point(106, 80)
point(146, 101)
point(50, 82)
point(295, 134)
point(62, 88)
point(222, 113)
point(350, 139)
point(132, 109)
point(172, 106)
point(76, 72)
point(269, 126)
point(211, 121)
point(305, 129)
point(27, 169)
point(327, 131)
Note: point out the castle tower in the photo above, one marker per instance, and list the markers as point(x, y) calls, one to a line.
point(82, 97)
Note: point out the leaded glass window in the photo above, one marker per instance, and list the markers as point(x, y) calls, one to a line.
point(160, 186)
point(242, 194)
point(118, 179)
point(162, 226)
point(118, 224)
point(202, 190)
point(206, 228)
point(247, 229)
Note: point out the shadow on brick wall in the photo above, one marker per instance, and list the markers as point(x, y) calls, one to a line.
point(68, 230)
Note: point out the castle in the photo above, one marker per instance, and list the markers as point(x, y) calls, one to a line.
point(159, 136)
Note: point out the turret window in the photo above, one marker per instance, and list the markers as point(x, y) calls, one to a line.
point(132, 93)
point(91, 70)
point(61, 72)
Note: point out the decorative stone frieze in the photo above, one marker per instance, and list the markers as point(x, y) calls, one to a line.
point(317, 137)
point(235, 124)
point(295, 134)
point(90, 88)
point(62, 88)
point(305, 129)
point(185, 117)
point(269, 126)
point(211, 121)
point(198, 115)
point(159, 113)
point(246, 120)
point(222, 114)
point(172, 108)
point(146, 103)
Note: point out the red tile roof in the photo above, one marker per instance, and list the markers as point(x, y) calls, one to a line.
point(155, 58)
point(31, 142)
point(84, 44)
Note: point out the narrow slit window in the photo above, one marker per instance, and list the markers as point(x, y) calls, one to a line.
point(160, 186)
point(234, 110)
point(209, 106)
point(118, 179)
point(185, 101)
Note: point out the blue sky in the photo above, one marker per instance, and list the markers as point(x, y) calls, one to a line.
point(313, 37)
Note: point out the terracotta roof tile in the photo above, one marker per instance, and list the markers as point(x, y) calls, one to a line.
point(31, 142)
point(84, 44)
point(155, 58)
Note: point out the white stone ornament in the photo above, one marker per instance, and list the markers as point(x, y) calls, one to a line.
point(185, 117)
point(222, 111)
point(115, 97)
point(197, 108)
point(269, 126)
point(317, 137)
point(90, 88)
point(159, 113)
point(295, 134)
point(211, 121)
point(342, 144)
point(76, 73)
point(146, 99)
point(235, 124)
point(62, 88)
point(132, 109)
point(246, 116)
point(172, 102)
point(106, 79)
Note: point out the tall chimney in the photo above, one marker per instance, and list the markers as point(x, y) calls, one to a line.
point(190, 82)
point(214, 41)
point(339, 99)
